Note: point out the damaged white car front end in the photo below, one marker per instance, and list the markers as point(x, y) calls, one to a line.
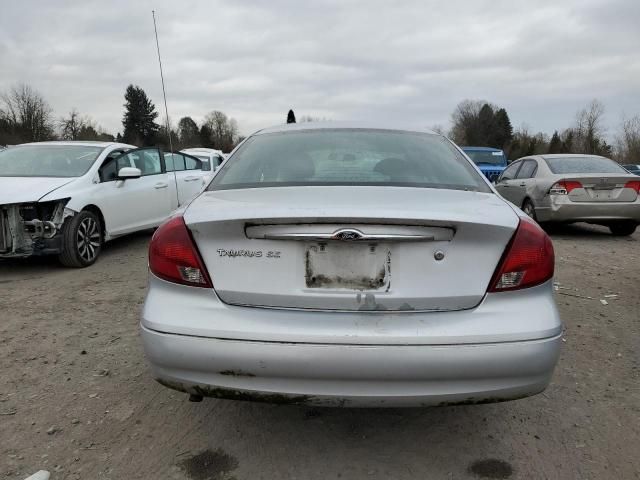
point(32, 228)
point(50, 202)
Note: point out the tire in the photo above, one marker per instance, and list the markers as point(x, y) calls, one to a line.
point(81, 240)
point(623, 229)
point(529, 209)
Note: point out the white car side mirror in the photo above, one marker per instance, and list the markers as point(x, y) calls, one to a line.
point(129, 172)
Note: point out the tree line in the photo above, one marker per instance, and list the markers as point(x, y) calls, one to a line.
point(482, 124)
point(25, 116)
point(140, 128)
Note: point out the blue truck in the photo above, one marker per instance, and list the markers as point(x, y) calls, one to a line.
point(491, 161)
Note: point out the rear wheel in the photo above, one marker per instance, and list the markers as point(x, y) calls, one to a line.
point(529, 209)
point(622, 229)
point(81, 240)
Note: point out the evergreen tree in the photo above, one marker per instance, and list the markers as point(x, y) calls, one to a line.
point(486, 126)
point(139, 118)
point(503, 131)
point(291, 117)
point(555, 145)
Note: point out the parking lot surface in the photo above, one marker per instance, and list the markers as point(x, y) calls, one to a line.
point(76, 397)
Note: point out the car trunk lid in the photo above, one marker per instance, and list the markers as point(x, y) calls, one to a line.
point(351, 248)
point(599, 188)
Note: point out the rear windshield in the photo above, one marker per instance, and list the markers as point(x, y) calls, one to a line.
point(563, 165)
point(348, 157)
point(47, 160)
point(481, 157)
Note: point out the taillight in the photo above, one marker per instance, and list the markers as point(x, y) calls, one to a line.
point(634, 185)
point(173, 255)
point(564, 187)
point(527, 261)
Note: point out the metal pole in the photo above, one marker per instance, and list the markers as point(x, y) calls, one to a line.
point(164, 94)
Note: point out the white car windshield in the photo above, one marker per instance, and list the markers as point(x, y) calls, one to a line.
point(348, 157)
point(47, 160)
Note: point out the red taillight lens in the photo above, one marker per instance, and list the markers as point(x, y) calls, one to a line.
point(173, 255)
point(634, 185)
point(564, 187)
point(527, 261)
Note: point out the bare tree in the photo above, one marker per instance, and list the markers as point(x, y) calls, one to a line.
point(524, 142)
point(628, 140)
point(70, 126)
point(223, 130)
point(589, 131)
point(464, 121)
point(80, 127)
point(166, 138)
point(438, 128)
point(27, 113)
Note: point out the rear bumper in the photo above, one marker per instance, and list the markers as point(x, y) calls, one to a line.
point(351, 375)
point(559, 208)
point(505, 348)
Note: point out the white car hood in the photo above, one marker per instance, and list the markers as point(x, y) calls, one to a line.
point(28, 189)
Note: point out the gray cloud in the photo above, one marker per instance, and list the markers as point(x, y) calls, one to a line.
point(413, 60)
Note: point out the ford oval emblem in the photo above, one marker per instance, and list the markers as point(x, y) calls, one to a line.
point(347, 235)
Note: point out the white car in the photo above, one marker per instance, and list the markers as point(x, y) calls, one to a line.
point(351, 264)
point(211, 159)
point(68, 198)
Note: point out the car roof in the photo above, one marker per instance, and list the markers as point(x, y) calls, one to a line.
point(81, 143)
point(570, 155)
point(201, 149)
point(368, 125)
point(481, 149)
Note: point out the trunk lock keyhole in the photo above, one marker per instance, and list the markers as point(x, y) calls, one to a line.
point(438, 255)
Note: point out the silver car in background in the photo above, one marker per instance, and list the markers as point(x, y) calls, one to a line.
point(566, 188)
point(351, 265)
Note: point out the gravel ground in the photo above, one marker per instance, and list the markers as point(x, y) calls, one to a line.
point(76, 397)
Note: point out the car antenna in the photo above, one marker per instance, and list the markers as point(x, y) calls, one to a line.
point(164, 94)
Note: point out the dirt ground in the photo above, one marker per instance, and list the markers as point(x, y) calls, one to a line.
point(76, 397)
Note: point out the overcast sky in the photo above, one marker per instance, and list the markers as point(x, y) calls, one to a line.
point(410, 60)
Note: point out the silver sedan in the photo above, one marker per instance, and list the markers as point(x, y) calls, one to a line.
point(351, 265)
point(566, 188)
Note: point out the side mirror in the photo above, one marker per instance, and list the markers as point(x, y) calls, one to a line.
point(129, 172)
